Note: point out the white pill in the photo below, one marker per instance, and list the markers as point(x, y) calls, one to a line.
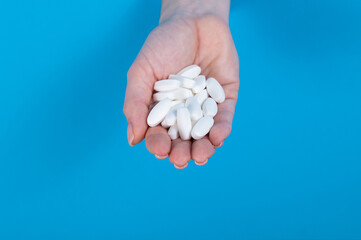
point(178, 94)
point(188, 83)
point(191, 71)
point(158, 112)
point(184, 123)
point(189, 100)
point(165, 124)
point(171, 116)
point(166, 85)
point(173, 132)
point(179, 105)
point(194, 109)
point(209, 107)
point(159, 96)
point(202, 96)
point(175, 102)
point(202, 127)
point(182, 93)
point(200, 84)
point(215, 90)
point(193, 123)
point(175, 76)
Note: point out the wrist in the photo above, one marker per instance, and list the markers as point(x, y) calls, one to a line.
point(194, 9)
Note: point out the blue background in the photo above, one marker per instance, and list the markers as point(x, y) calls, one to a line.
point(291, 168)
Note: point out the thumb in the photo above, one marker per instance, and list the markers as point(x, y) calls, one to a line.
point(140, 80)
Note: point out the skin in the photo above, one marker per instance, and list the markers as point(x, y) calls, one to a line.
point(187, 34)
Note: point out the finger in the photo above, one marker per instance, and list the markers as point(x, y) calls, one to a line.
point(137, 99)
point(222, 122)
point(158, 142)
point(180, 154)
point(202, 150)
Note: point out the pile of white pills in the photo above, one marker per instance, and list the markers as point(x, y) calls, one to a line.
point(186, 103)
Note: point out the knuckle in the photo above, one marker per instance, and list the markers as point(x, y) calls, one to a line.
point(126, 109)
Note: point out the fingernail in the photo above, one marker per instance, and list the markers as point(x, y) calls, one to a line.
point(201, 163)
point(219, 145)
point(181, 167)
point(161, 157)
point(130, 135)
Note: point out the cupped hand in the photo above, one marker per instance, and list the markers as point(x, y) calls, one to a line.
point(174, 44)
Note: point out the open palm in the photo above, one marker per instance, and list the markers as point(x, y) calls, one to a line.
point(205, 41)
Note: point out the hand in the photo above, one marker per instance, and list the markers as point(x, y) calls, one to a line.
point(177, 42)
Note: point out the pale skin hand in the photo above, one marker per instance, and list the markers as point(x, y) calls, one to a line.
point(185, 36)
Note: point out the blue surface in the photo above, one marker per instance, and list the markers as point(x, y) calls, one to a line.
point(291, 168)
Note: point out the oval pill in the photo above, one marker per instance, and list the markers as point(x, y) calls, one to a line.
point(191, 71)
point(188, 83)
point(159, 96)
point(175, 102)
point(202, 127)
point(209, 107)
point(173, 132)
point(171, 116)
point(189, 100)
point(178, 94)
point(175, 76)
point(184, 123)
point(179, 105)
point(182, 93)
point(166, 85)
point(200, 84)
point(158, 112)
point(215, 90)
point(194, 109)
point(202, 96)
point(164, 124)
